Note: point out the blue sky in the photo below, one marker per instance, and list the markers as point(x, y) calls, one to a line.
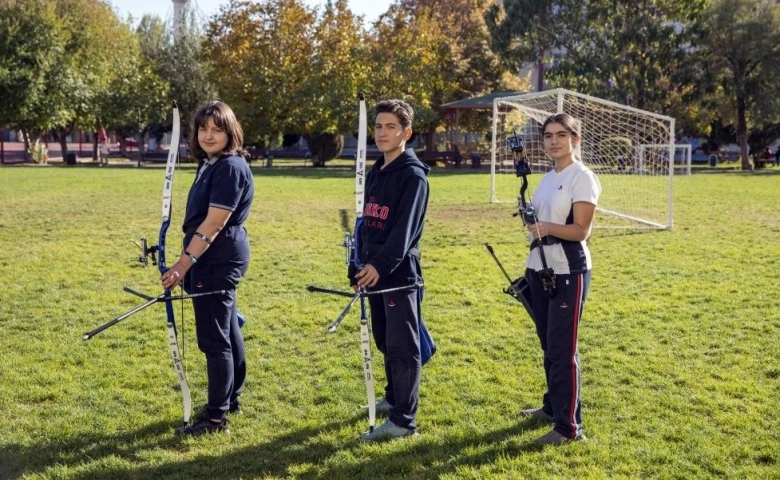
point(371, 9)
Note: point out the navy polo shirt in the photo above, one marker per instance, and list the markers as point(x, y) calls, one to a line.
point(225, 183)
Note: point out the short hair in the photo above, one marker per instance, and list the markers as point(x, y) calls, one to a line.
point(402, 110)
point(571, 124)
point(224, 119)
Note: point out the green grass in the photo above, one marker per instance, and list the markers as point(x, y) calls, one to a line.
point(679, 340)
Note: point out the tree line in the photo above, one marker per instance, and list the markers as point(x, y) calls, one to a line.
point(289, 69)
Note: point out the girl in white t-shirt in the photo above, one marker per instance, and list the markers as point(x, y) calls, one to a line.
point(565, 204)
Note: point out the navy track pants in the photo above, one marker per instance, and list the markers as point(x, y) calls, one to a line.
point(557, 322)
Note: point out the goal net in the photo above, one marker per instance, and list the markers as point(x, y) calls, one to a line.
point(631, 151)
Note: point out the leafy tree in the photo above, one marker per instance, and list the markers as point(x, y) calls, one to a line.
point(639, 52)
point(136, 99)
point(93, 39)
point(32, 40)
point(54, 65)
point(133, 96)
point(521, 30)
point(409, 55)
point(186, 67)
point(744, 48)
point(475, 67)
point(338, 71)
point(173, 64)
point(262, 53)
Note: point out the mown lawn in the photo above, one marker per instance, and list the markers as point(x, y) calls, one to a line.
point(679, 341)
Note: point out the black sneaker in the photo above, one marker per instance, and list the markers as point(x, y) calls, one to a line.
point(203, 425)
point(234, 409)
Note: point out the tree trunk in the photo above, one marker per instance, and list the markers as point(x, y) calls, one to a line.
point(61, 136)
point(430, 138)
point(27, 147)
point(63, 141)
point(269, 158)
point(540, 71)
point(140, 139)
point(742, 137)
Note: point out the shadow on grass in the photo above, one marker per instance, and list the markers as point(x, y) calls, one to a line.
point(17, 460)
point(296, 450)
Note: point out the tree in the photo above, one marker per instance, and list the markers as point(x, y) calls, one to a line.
point(409, 55)
point(174, 55)
point(32, 40)
point(262, 54)
point(184, 64)
point(744, 48)
point(94, 39)
point(136, 99)
point(449, 55)
point(133, 96)
point(468, 64)
point(639, 52)
point(521, 31)
point(339, 70)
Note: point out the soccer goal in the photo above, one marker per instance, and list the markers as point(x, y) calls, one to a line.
point(631, 151)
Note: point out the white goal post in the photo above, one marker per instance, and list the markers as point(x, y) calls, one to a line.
point(631, 151)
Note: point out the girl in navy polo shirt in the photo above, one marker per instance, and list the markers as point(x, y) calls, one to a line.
point(565, 203)
point(216, 257)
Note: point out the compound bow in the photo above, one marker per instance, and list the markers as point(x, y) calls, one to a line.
point(518, 288)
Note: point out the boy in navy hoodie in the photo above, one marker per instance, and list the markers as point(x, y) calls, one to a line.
point(396, 201)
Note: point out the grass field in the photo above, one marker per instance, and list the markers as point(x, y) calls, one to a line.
point(679, 340)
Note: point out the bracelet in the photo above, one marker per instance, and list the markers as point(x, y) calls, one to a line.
point(193, 258)
point(203, 237)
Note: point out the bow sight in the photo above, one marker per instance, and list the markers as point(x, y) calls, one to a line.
point(146, 252)
point(516, 143)
point(525, 210)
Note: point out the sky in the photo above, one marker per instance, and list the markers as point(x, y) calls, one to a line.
point(370, 9)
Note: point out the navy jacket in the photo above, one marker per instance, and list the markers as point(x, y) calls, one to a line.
point(396, 199)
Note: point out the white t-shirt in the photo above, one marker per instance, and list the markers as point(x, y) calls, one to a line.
point(553, 202)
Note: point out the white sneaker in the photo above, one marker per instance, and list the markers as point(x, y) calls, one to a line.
point(554, 438)
point(387, 431)
point(383, 406)
point(537, 413)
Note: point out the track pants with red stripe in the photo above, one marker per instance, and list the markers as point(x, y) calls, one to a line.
point(557, 322)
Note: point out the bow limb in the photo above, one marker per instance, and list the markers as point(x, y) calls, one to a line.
point(167, 194)
point(365, 344)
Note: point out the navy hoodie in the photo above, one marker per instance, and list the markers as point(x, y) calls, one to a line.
point(396, 199)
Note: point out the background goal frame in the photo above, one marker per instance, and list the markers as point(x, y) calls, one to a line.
point(632, 151)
